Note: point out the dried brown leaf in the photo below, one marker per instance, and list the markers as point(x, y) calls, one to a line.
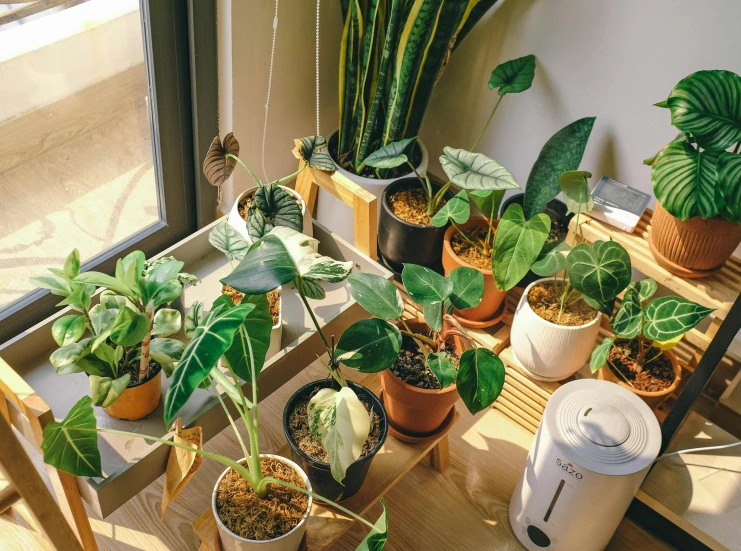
point(182, 464)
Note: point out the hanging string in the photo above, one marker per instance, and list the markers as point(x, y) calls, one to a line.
point(316, 67)
point(270, 85)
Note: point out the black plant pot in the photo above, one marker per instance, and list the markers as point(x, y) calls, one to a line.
point(556, 210)
point(319, 472)
point(400, 242)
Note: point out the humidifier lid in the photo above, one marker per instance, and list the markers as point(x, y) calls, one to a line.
point(603, 427)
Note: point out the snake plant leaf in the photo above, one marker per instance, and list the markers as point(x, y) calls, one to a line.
point(517, 244)
point(272, 207)
point(468, 287)
point(600, 271)
point(600, 354)
point(377, 295)
point(313, 150)
point(72, 445)
point(476, 171)
point(211, 339)
point(217, 167)
point(575, 188)
point(129, 327)
point(229, 241)
point(669, 317)
point(369, 345)
point(480, 378)
point(684, 181)
point(339, 419)
point(561, 153)
point(425, 286)
point(645, 288)
point(376, 538)
point(166, 322)
point(551, 260)
point(514, 76)
point(68, 329)
point(193, 318)
point(71, 267)
point(729, 183)
point(442, 366)
point(628, 320)
point(390, 155)
point(105, 390)
point(708, 105)
point(458, 209)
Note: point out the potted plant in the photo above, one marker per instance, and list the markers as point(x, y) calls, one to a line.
point(391, 56)
point(639, 357)
point(696, 224)
point(259, 502)
point(556, 321)
point(120, 343)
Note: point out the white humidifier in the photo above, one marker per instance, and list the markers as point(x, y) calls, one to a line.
point(594, 446)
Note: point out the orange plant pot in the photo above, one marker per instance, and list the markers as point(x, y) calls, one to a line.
point(493, 297)
point(139, 400)
point(691, 248)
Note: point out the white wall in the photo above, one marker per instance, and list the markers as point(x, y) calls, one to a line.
point(612, 59)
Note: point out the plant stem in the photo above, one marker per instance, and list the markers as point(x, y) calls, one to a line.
point(563, 298)
point(483, 130)
point(470, 242)
point(290, 177)
point(234, 427)
point(316, 324)
point(491, 218)
point(440, 194)
point(241, 162)
point(144, 362)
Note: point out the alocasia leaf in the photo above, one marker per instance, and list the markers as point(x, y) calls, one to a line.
point(442, 366)
point(475, 171)
point(480, 378)
point(645, 288)
point(217, 167)
point(229, 241)
point(457, 209)
point(72, 445)
point(377, 295)
point(390, 155)
point(313, 149)
point(272, 206)
point(369, 345)
point(517, 244)
point(514, 76)
point(669, 317)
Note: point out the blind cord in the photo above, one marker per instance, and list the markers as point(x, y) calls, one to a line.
point(267, 100)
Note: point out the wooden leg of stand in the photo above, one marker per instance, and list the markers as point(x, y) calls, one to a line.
point(440, 455)
point(307, 188)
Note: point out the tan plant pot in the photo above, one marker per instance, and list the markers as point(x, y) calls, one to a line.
point(691, 248)
point(653, 399)
point(139, 400)
point(493, 297)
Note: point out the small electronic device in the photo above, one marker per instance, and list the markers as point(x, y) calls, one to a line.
point(617, 204)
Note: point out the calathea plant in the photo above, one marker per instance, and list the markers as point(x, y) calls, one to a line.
point(115, 340)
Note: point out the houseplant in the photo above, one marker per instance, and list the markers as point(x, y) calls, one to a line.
point(258, 501)
point(556, 321)
point(639, 356)
point(696, 224)
point(126, 349)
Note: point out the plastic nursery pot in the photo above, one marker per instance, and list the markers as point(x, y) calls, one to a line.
point(556, 210)
point(493, 297)
point(319, 472)
point(139, 399)
point(546, 351)
point(691, 248)
point(240, 224)
point(290, 541)
point(401, 242)
point(333, 214)
point(412, 410)
point(653, 399)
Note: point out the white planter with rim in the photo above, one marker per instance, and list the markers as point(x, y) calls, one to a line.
point(337, 217)
point(546, 351)
point(290, 541)
point(239, 224)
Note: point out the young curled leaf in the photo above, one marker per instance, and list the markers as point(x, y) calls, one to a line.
point(217, 167)
point(312, 149)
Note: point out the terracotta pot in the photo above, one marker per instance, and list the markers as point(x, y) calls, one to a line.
point(138, 400)
point(493, 297)
point(653, 399)
point(412, 410)
point(240, 224)
point(289, 541)
point(691, 248)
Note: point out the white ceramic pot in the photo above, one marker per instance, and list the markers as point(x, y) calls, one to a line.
point(287, 542)
point(546, 351)
point(337, 217)
point(239, 224)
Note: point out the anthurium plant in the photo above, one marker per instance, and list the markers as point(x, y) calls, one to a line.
point(656, 324)
point(241, 334)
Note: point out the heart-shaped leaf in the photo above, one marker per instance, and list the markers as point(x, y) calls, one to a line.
point(376, 538)
point(517, 245)
point(551, 260)
point(425, 286)
point(433, 315)
point(68, 329)
point(104, 390)
point(600, 271)
point(600, 354)
point(514, 76)
point(729, 183)
point(166, 322)
point(628, 320)
point(272, 206)
point(217, 167)
point(468, 287)
point(561, 153)
point(129, 327)
point(476, 171)
point(229, 241)
point(457, 209)
point(575, 188)
point(684, 181)
point(708, 105)
point(442, 366)
point(480, 378)
point(390, 155)
point(669, 317)
point(312, 149)
point(369, 345)
point(377, 295)
point(645, 288)
point(72, 445)
point(487, 202)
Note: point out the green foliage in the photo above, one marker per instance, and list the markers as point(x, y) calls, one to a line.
point(72, 445)
point(575, 189)
point(376, 538)
point(476, 171)
point(229, 241)
point(390, 155)
point(369, 345)
point(551, 260)
point(457, 209)
point(628, 320)
point(377, 295)
point(600, 271)
point(514, 76)
point(645, 288)
point(517, 245)
point(272, 206)
point(442, 366)
point(600, 354)
point(106, 390)
point(669, 317)
point(468, 287)
point(68, 329)
point(480, 378)
point(313, 150)
point(425, 286)
point(729, 184)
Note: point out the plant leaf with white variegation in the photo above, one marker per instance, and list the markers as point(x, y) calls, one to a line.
point(669, 317)
point(166, 322)
point(476, 171)
point(645, 288)
point(68, 329)
point(369, 345)
point(105, 390)
point(313, 149)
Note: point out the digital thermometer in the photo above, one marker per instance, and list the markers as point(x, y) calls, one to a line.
point(617, 204)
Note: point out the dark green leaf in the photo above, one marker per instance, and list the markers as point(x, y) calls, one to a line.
point(468, 287)
point(600, 271)
point(669, 317)
point(480, 378)
point(575, 189)
point(517, 245)
point(442, 367)
point(514, 76)
point(369, 345)
point(377, 295)
point(313, 149)
point(390, 155)
point(129, 327)
point(161, 275)
point(92, 364)
point(376, 538)
point(628, 320)
point(265, 267)
point(72, 445)
point(729, 183)
point(600, 354)
point(273, 206)
point(68, 329)
point(476, 171)
point(645, 288)
point(457, 209)
point(425, 286)
point(487, 202)
point(551, 260)
point(433, 314)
